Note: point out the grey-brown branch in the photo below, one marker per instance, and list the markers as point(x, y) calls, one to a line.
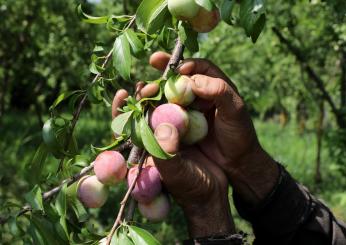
point(77, 112)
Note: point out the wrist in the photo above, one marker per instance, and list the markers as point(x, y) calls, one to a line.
point(213, 218)
point(255, 176)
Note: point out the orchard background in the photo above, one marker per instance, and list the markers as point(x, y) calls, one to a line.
point(293, 80)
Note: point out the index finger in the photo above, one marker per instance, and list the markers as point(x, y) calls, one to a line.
point(201, 66)
point(159, 60)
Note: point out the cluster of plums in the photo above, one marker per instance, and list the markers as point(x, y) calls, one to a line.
point(191, 124)
point(110, 168)
point(200, 19)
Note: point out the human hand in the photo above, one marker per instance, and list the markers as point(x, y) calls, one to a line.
point(232, 142)
point(196, 183)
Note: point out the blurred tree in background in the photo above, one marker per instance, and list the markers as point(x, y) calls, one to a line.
point(293, 80)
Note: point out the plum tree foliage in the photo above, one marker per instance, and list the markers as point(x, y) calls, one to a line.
point(136, 32)
point(132, 32)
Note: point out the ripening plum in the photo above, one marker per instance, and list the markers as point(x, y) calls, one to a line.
point(110, 167)
point(172, 114)
point(148, 185)
point(157, 210)
point(205, 20)
point(91, 192)
point(179, 91)
point(183, 9)
point(198, 128)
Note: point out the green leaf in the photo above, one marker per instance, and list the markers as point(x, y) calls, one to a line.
point(63, 96)
point(46, 230)
point(136, 45)
point(226, 11)
point(90, 19)
point(252, 17)
point(122, 58)
point(95, 69)
point(150, 143)
point(79, 210)
point(60, 203)
point(136, 135)
point(188, 37)
point(108, 147)
point(34, 198)
point(119, 123)
point(124, 239)
point(95, 93)
point(165, 38)
point(37, 161)
point(151, 15)
point(98, 48)
point(142, 237)
point(207, 4)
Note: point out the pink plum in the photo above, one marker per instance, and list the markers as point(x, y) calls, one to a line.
point(110, 167)
point(148, 184)
point(172, 114)
point(91, 192)
point(205, 20)
point(157, 210)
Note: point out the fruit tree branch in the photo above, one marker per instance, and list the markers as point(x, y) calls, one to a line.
point(77, 112)
point(177, 56)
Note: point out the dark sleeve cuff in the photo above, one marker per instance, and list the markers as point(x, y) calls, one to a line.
point(281, 212)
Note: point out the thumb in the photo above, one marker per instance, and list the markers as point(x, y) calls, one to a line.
point(168, 138)
point(225, 97)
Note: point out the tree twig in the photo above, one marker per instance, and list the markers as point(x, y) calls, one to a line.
point(77, 112)
point(177, 56)
point(127, 195)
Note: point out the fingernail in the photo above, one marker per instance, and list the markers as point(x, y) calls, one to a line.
point(163, 132)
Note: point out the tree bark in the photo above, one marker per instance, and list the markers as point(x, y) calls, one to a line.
point(319, 135)
point(343, 78)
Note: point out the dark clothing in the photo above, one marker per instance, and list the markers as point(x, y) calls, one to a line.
point(291, 215)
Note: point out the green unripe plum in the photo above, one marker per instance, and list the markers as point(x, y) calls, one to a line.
point(183, 9)
point(179, 91)
point(205, 20)
point(110, 167)
point(157, 210)
point(172, 114)
point(198, 128)
point(91, 192)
